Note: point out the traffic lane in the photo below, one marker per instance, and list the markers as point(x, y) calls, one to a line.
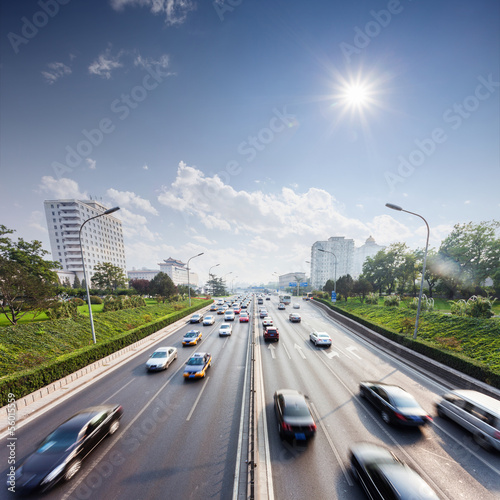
point(161, 446)
point(425, 448)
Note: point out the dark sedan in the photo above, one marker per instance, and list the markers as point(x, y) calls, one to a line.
point(295, 420)
point(395, 405)
point(384, 477)
point(59, 456)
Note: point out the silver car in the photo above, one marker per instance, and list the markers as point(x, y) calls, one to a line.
point(161, 358)
point(209, 320)
point(320, 338)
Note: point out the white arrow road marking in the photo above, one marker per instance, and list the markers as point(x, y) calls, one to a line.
point(272, 349)
point(297, 346)
point(331, 354)
point(351, 349)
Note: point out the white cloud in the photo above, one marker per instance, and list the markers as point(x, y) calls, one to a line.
point(60, 189)
point(263, 245)
point(91, 163)
point(56, 70)
point(135, 226)
point(105, 64)
point(147, 62)
point(145, 167)
point(175, 11)
point(129, 199)
point(38, 222)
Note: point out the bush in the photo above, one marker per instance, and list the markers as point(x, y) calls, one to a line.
point(392, 301)
point(94, 299)
point(77, 301)
point(67, 309)
point(427, 304)
point(372, 298)
point(475, 307)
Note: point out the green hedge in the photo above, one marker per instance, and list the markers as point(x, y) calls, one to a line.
point(455, 360)
point(25, 382)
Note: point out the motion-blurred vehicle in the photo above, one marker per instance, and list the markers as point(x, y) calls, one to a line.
point(244, 317)
point(237, 309)
point(384, 477)
point(221, 310)
point(225, 330)
point(267, 321)
point(295, 420)
point(229, 315)
point(192, 337)
point(263, 313)
point(281, 306)
point(59, 456)
point(161, 358)
point(295, 318)
point(209, 320)
point(271, 333)
point(197, 365)
point(213, 307)
point(296, 306)
point(196, 318)
point(475, 412)
point(320, 338)
point(396, 406)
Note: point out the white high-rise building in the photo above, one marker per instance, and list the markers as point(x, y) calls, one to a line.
point(369, 249)
point(336, 261)
point(102, 238)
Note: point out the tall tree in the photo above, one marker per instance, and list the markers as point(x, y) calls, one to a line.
point(361, 288)
point(28, 282)
point(329, 286)
point(107, 275)
point(344, 285)
point(162, 285)
point(76, 283)
point(140, 285)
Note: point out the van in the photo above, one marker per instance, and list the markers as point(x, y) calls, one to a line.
point(475, 412)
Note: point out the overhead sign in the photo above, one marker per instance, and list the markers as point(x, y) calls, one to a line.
point(292, 283)
point(303, 284)
point(334, 297)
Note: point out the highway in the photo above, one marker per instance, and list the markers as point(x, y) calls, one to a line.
point(185, 439)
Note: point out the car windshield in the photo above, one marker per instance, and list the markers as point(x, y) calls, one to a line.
point(402, 400)
point(195, 361)
point(60, 439)
point(191, 334)
point(296, 410)
point(159, 354)
point(224, 327)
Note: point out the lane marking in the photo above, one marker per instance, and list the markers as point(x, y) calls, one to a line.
point(287, 353)
point(272, 349)
point(351, 349)
point(297, 346)
point(197, 399)
point(331, 354)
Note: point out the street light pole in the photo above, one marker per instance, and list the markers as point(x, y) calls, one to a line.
point(189, 287)
point(399, 209)
point(335, 269)
point(107, 212)
point(232, 284)
point(210, 275)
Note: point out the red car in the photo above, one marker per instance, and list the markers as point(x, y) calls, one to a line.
point(237, 310)
point(244, 318)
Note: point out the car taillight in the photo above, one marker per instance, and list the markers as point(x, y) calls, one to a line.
point(286, 427)
point(429, 418)
point(400, 416)
point(312, 427)
point(496, 434)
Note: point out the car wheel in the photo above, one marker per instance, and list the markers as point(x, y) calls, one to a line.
point(482, 441)
point(114, 427)
point(385, 417)
point(72, 469)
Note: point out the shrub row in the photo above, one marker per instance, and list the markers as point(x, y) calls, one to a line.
point(454, 360)
point(28, 381)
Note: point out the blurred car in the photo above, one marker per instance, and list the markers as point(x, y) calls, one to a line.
point(476, 412)
point(263, 313)
point(295, 420)
point(59, 456)
point(271, 333)
point(296, 306)
point(244, 305)
point(161, 358)
point(213, 307)
point(384, 477)
point(244, 317)
point(396, 406)
point(225, 330)
point(267, 321)
point(281, 306)
point(209, 320)
point(295, 318)
point(196, 318)
point(197, 365)
point(320, 338)
point(192, 337)
point(229, 315)
point(237, 309)
point(268, 298)
point(221, 310)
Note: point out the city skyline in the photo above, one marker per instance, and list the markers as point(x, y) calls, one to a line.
point(247, 132)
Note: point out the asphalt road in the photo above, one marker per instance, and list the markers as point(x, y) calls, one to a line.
point(182, 439)
point(442, 453)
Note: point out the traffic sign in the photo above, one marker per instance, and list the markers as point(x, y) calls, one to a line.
point(334, 297)
point(303, 284)
point(292, 283)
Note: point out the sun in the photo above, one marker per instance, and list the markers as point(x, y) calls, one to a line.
point(356, 95)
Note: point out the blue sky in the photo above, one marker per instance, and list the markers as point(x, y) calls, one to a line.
point(248, 130)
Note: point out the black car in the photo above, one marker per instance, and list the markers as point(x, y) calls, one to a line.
point(295, 420)
point(396, 406)
point(59, 456)
point(384, 477)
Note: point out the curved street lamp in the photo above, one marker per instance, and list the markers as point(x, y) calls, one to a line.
point(335, 269)
point(210, 275)
point(107, 212)
point(399, 209)
point(189, 287)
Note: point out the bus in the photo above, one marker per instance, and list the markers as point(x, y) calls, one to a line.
point(286, 299)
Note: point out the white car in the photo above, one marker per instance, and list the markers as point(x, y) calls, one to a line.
point(161, 358)
point(296, 306)
point(229, 315)
point(209, 320)
point(281, 305)
point(320, 338)
point(225, 330)
point(267, 321)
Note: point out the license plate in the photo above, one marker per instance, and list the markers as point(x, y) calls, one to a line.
point(300, 436)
